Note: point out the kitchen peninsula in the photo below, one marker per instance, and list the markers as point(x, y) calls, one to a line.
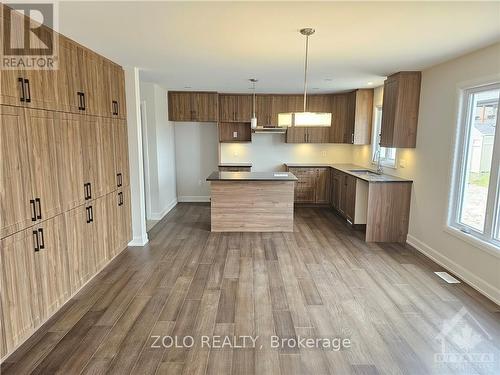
point(252, 201)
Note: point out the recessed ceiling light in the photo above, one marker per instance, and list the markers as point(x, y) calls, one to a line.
point(370, 83)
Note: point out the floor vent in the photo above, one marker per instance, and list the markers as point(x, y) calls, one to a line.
point(447, 277)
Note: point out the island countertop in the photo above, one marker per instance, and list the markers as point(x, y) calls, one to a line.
point(251, 176)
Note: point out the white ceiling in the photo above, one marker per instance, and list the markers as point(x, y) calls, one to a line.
point(219, 45)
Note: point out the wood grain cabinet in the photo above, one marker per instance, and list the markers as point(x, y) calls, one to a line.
point(400, 110)
point(343, 194)
point(64, 185)
point(235, 107)
point(308, 134)
point(352, 117)
point(193, 106)
point(313, 185)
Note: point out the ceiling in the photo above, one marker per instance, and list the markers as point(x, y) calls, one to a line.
point(219, 45)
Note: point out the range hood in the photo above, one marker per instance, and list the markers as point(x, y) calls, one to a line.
point(269, 130)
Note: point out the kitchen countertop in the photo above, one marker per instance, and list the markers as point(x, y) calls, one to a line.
point(346, 168)
point(251, 176)
point(235, 164)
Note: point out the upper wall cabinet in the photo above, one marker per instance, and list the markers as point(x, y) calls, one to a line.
point(400, 110)
point(192, 106)
point(235, 107)
point(352, 117)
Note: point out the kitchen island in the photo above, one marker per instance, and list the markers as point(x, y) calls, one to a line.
point(252, 201)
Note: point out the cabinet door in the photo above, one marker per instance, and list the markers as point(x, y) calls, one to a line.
point(44, 146)
point(91, 156)
point(227, 108)
point(305, 186)
point(389, 112)
point(323, 186)
point(263, 109)
point(11, 88)
point(107, 161)
point(204, 106)
point(80, 246)
point(19, 297)
point(102, 241)
point(280, 104)
point(64, 76)
point(319, 103)
point(122, 220)
point(121, 106)
point(339, 128)
point(350, 118)
point(120, 146)
point(296, 134)
point(179, 106)
point(350, 197)
point(244, 108)
point(16, 213)
point(70, 161)
point(76, 75)
point(318, 134)
point(94, 102)
point(337, 183)
point(51, 266)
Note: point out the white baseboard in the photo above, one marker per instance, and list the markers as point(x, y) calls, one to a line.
point(161, 215)
point(139, 241)
point(193, 198)
point(482, 286)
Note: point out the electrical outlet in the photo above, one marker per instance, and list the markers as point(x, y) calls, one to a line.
point(323, 154)
point(402, 163)
point(235, 153)
point(235, 134)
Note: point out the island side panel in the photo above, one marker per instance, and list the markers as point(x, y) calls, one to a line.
point(252, 206)
point(388, 212)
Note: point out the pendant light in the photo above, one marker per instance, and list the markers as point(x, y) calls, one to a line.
point(305, 118)
point(253, 120)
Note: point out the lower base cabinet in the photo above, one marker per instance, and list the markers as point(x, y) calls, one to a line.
point(343, 196)
point(43, 266)
point(313, 185)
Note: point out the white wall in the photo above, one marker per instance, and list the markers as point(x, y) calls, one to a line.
point(430, 166)
point(161, 194)
point(196, 155)
point(268, 152)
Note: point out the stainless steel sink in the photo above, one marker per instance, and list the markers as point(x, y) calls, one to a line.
point(365, 172)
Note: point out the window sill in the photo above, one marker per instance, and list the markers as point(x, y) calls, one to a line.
point(474, 241)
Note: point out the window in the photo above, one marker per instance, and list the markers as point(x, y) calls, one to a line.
point(387, 155)
point(476, 191)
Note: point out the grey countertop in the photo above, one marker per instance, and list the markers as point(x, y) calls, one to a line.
point(347, 168)
point(251, 176)
point(235, 164)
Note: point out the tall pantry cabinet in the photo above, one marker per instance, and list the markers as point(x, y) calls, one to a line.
point(64, 184)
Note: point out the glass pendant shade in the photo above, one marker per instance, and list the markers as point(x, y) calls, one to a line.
point(304, 119)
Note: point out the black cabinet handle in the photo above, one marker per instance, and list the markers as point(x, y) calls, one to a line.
point(91, 211)
point(120, 198)
point(119, 180)
point(87, 211)
point(90, 190)
point(28, 90)
point(42, 242)
point(21, 82)
point(33, 207)
point(85, 191)
point(117, 108)
point(39, 206)
point(35, 241)
point(84, 105)
point(80, 104)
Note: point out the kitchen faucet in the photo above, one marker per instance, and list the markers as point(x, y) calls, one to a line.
point(379, 163)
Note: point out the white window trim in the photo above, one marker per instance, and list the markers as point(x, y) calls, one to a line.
point(486, 240)
point(384, 162)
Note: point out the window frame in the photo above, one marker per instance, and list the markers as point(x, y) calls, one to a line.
point(385, 162)
point(460, 172)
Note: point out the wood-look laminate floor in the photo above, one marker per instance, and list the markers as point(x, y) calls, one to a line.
point(322, 281)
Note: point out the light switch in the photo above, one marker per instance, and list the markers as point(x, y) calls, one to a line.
point(235, 134)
